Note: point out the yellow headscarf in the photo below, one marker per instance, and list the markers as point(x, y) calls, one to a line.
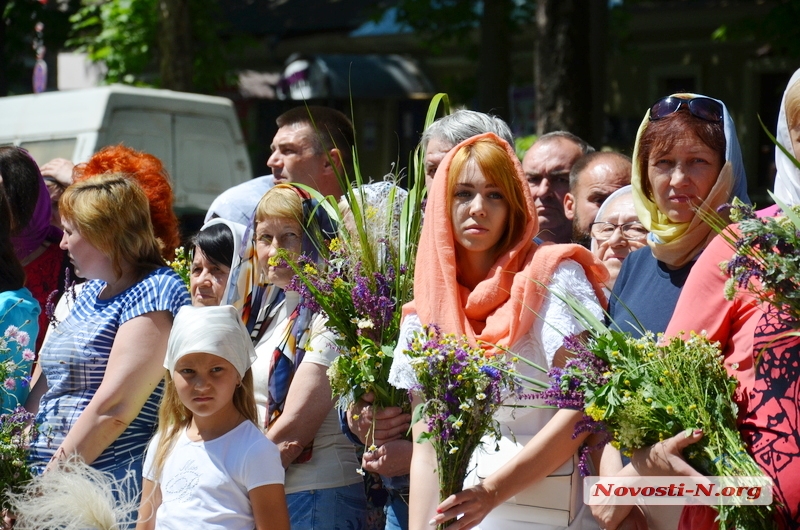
point(676, 244)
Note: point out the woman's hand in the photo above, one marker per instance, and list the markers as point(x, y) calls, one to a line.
point(389, 424)
point(391, 459)
point(474, 502)
point(666, 458)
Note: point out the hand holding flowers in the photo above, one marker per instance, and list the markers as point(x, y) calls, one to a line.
point(461, 387)
point(658, 392)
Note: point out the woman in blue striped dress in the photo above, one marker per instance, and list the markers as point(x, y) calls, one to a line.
point(99, 377)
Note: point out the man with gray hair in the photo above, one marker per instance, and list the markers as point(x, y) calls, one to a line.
point(547, 165)
point(449, 131)
point(592, 179)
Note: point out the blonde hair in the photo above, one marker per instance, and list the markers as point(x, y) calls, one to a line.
point(792, 105)
point(281, 201)
point(174, 416)
point(496, 165)
point(112, 213)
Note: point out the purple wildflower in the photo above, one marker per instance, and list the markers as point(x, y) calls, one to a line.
point(491, 371)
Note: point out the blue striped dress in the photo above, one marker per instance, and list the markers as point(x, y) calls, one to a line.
point(75, 356)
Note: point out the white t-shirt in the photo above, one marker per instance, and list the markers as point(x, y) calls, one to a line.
point(206, 484)
point(333, 459)
point(538, 345)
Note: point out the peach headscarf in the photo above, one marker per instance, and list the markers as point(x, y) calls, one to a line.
point(501, 308)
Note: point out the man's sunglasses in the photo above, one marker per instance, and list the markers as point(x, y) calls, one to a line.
point(702, 107)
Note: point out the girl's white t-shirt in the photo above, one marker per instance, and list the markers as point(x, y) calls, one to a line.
point(206, 484)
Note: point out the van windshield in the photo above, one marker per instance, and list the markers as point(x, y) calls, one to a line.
point(45, 150)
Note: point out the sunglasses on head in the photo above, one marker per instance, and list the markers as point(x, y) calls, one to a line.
point(702, 107)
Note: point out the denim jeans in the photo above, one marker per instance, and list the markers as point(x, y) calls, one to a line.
point(396, 511)
point(128, 475)
point(341, 508)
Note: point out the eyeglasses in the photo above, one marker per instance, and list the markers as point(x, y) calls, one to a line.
point(633, 231)
point(702, 107)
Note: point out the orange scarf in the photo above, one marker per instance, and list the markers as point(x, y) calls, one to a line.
point(502, 307)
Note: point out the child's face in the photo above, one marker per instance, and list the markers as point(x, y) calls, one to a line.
point(205, 384)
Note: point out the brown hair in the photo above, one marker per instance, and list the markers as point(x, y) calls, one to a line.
point(332, 129)
point(112, 213)
point(662, 135)
point(498, 168)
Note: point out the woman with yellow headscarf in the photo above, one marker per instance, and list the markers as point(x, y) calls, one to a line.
point(686, 158)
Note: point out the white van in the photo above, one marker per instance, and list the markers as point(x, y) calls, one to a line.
point(198, 138)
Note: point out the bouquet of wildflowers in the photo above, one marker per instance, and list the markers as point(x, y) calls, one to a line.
point(462, 387)
point(367, 276)
point(766, 258)
point(14, 438)
point(643, 391)
point(14, 443)
point(182, 265)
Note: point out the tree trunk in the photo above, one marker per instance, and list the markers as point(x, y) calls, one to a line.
point(175, 43)
point(4, 60)
point(494, 59)
point(562, 67)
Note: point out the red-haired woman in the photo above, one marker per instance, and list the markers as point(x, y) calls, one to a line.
point(149, 173)
point(479, 273)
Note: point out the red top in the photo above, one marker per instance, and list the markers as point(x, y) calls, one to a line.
point(44, 275)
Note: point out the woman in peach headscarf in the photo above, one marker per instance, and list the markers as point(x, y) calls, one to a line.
point(480, 274)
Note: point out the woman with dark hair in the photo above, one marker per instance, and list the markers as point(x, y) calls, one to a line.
point(35, 241)
point(758, 347)
point(18, 310)
point(216, 251)
point(686, 157)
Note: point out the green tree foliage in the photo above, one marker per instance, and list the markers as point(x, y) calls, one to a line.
point(124, 35)
point(120, 33)
point(778, 29)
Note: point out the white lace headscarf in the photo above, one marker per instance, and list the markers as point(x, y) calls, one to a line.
point(382, 218)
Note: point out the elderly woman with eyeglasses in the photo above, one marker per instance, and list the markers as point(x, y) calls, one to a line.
point(616, 232)
point(686, 157)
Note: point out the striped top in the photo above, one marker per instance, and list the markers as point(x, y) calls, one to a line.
point(74, 361)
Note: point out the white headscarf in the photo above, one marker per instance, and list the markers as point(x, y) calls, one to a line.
point(787, 180)
point(217, 330)
point(624, 190)
point(238, 231)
